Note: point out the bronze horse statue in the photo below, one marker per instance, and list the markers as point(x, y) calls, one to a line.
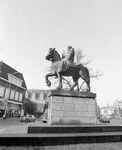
point(60, 68)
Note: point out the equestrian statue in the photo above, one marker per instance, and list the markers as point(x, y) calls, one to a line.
point(66, 66)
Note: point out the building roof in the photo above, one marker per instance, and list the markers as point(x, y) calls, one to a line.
point(37, 90)
point(5, 69)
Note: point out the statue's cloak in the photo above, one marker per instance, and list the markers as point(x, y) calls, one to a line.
point(63, 65)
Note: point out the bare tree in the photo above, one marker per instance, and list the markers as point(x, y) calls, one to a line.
point(79, 58)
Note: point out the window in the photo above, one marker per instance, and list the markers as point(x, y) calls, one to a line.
point(16, 95)
point(26, 94)
point(33, 95)
point(20, 96)
point(12, 94)
point(7, 92)
point(2, 89)
point(37, 95)
point(29, 95)
point(41, 95)
point(14, 80)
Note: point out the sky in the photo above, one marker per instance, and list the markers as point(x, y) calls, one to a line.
point(28, 28)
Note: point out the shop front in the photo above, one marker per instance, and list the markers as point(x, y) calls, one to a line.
point(13, 109)
point(2, 109)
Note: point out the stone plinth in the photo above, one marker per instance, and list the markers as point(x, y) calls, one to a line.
point(71, 107)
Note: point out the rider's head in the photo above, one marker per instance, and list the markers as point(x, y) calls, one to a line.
point(69, 47)
point(50, 49)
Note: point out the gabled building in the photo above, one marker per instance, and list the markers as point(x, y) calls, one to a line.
point(12, 88)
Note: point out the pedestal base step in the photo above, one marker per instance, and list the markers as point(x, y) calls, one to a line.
point(58, 129)
point(63, 135)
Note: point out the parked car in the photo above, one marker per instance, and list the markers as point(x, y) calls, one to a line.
point(28, 118)
point(44, 120)
point(104, 120)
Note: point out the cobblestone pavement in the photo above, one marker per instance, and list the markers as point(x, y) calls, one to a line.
point(96, 146)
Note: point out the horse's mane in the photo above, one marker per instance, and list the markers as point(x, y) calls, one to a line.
point(57, 56)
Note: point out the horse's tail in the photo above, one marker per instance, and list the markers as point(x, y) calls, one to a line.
point(87, 75)
point(84, 73)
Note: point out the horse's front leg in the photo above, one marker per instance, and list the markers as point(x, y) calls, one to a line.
point(75, 83)
point(47, 80)
point(60, 82)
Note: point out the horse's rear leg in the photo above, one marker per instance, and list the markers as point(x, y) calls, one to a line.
point(89, 88)
point(85, 76)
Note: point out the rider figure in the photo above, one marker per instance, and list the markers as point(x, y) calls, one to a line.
point(67, 60)
point(71, 53)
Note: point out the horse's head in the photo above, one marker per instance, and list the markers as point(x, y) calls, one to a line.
point(53, 55)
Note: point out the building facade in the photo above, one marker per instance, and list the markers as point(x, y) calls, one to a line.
point(107, 111)
point(118, 108)
point(37, 96)
point(12, 90)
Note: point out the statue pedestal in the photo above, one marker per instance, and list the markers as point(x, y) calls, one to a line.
point(71, 108)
